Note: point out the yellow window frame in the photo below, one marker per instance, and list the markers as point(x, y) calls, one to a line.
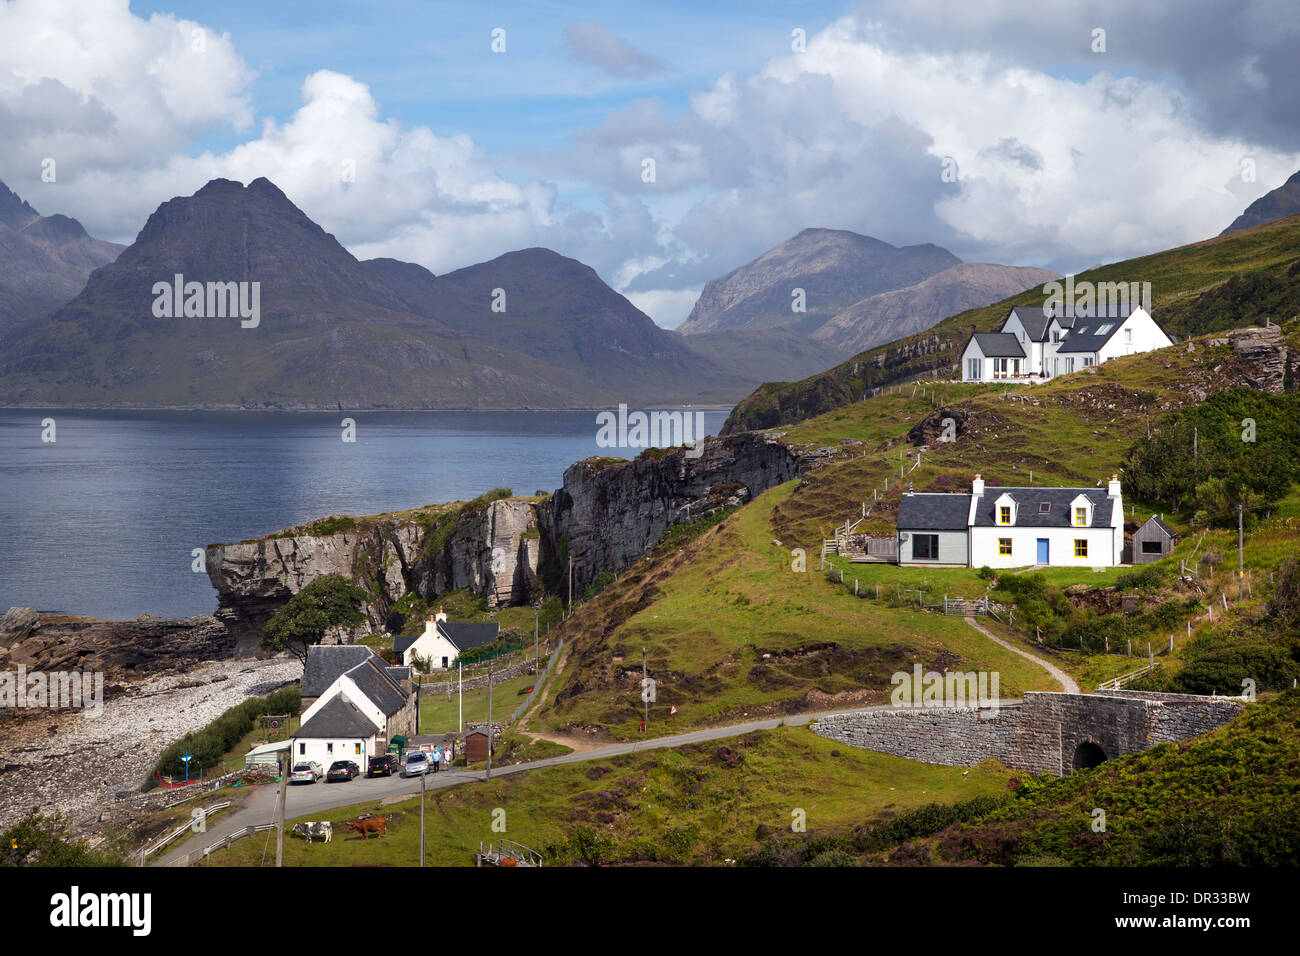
point(1080, 547)
point(1004, 546)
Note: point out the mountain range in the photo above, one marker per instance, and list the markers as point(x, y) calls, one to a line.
point(44, 260)
point(848, 291)
point(1276, 204)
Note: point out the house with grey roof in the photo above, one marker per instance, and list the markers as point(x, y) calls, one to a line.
point(442, 641)
point(1009, 527)
point(358, 703)
point(1036, 343)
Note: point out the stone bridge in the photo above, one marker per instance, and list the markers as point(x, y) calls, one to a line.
point(1043, 733)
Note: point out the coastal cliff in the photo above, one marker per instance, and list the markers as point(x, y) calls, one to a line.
point(507, 551)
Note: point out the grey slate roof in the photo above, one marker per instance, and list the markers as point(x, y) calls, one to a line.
point(933, 512)
point(1032, 318)
point(1089, 334)
point(462, 636)
point(371, 680)
point(465, 636)
point(339, 718)
point(1028, 500)
point(398, 673)
point(325, 662)
point(999, 345)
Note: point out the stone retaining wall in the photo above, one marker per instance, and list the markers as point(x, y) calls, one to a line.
point(1041, 734)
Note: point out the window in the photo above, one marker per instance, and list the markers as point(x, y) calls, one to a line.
point(1080, 547)
point(1151, 547)
point(1081, 517)
point(1044, 507)
point(1056, 336)
point(444, 663)
point(329, 748)
point(1004, 546)
point(1105, 328)
point(1128, 336)
point(975, 368)
point(925, 547)
point(356, 750)
point(1069, 365)
point(1087, 361)
point(1004, 514)
point(302, 750)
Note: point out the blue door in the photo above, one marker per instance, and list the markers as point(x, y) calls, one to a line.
point(1043, 552)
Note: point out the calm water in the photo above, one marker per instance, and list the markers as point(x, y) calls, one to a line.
point(102, 521)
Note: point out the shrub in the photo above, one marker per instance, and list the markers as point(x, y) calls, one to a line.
point(215, 740)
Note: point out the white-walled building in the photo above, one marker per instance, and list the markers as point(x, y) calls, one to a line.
point(353, 704)
point(1013, 527)
point(1034, 345)
point(442, 641)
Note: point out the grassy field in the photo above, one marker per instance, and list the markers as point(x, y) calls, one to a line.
point(439, 712)
point(703, 804)
point(732, 632)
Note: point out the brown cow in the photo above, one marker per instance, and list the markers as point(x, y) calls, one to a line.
point(376, 825)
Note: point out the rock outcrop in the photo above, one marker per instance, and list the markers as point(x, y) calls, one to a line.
point(121, 649)
point(608, 515)
point(1268, 363)
point(490, 549)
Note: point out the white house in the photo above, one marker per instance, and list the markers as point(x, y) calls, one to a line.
point(353, 705)
point(1013, 527)
point(443, 641)
point(1034, 344)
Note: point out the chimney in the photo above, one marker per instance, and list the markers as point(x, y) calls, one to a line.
point(977, 486)
point(1112, 489)
point(441, 615)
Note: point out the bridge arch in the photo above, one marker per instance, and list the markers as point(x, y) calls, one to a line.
point(1087, 755)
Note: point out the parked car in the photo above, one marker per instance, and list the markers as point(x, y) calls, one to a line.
point(385, 765)
point(306, 771)
point(342, 770)
point(417, 764)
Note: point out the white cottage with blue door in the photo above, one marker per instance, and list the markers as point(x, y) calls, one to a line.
point(1013, 527)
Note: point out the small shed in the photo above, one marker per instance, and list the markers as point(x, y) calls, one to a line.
point(476, 745)
point(1153, 541)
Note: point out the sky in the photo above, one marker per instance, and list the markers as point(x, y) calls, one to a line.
point(664, 144)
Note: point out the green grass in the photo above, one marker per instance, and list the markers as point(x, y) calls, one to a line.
point(701, 804)
point(709, 613)
point(438, 712)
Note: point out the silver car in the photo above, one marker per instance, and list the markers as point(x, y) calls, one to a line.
point(417, 764)
point(306, 771)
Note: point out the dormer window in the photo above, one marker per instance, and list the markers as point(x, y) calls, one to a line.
point(1081, 512)
point(1080, 517)
point(1044, 507)
point(1004, 510)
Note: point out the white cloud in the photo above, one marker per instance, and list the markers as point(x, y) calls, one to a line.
point(668, 307)
point(594, 44)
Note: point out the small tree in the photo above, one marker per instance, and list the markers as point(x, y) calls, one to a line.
point(329, 602)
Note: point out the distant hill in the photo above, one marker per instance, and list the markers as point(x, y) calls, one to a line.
point(834, 267)
point(1273, 205)
point(765, 354)
point(337, 332)
point(1233, 280)
point(887, 316)
point(44, 260)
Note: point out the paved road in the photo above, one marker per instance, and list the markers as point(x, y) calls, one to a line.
point(304, 801)
point(1066, 681)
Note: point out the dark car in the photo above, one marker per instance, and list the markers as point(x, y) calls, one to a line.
point(385, 765)
point(342, 770)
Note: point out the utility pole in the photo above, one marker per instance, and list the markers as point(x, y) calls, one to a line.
point(460, 703)
point(645, 698)
point(1241, 575)
point(489, 726)
point(279, 823)
point(422, 819)
point(570, 582)
point(537, 645)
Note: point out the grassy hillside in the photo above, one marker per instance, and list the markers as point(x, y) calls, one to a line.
point(1229, 281)
point(732, 630)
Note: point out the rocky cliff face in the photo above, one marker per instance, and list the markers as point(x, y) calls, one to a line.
point(607, 515)
point(485, 549)
point(121, 649)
